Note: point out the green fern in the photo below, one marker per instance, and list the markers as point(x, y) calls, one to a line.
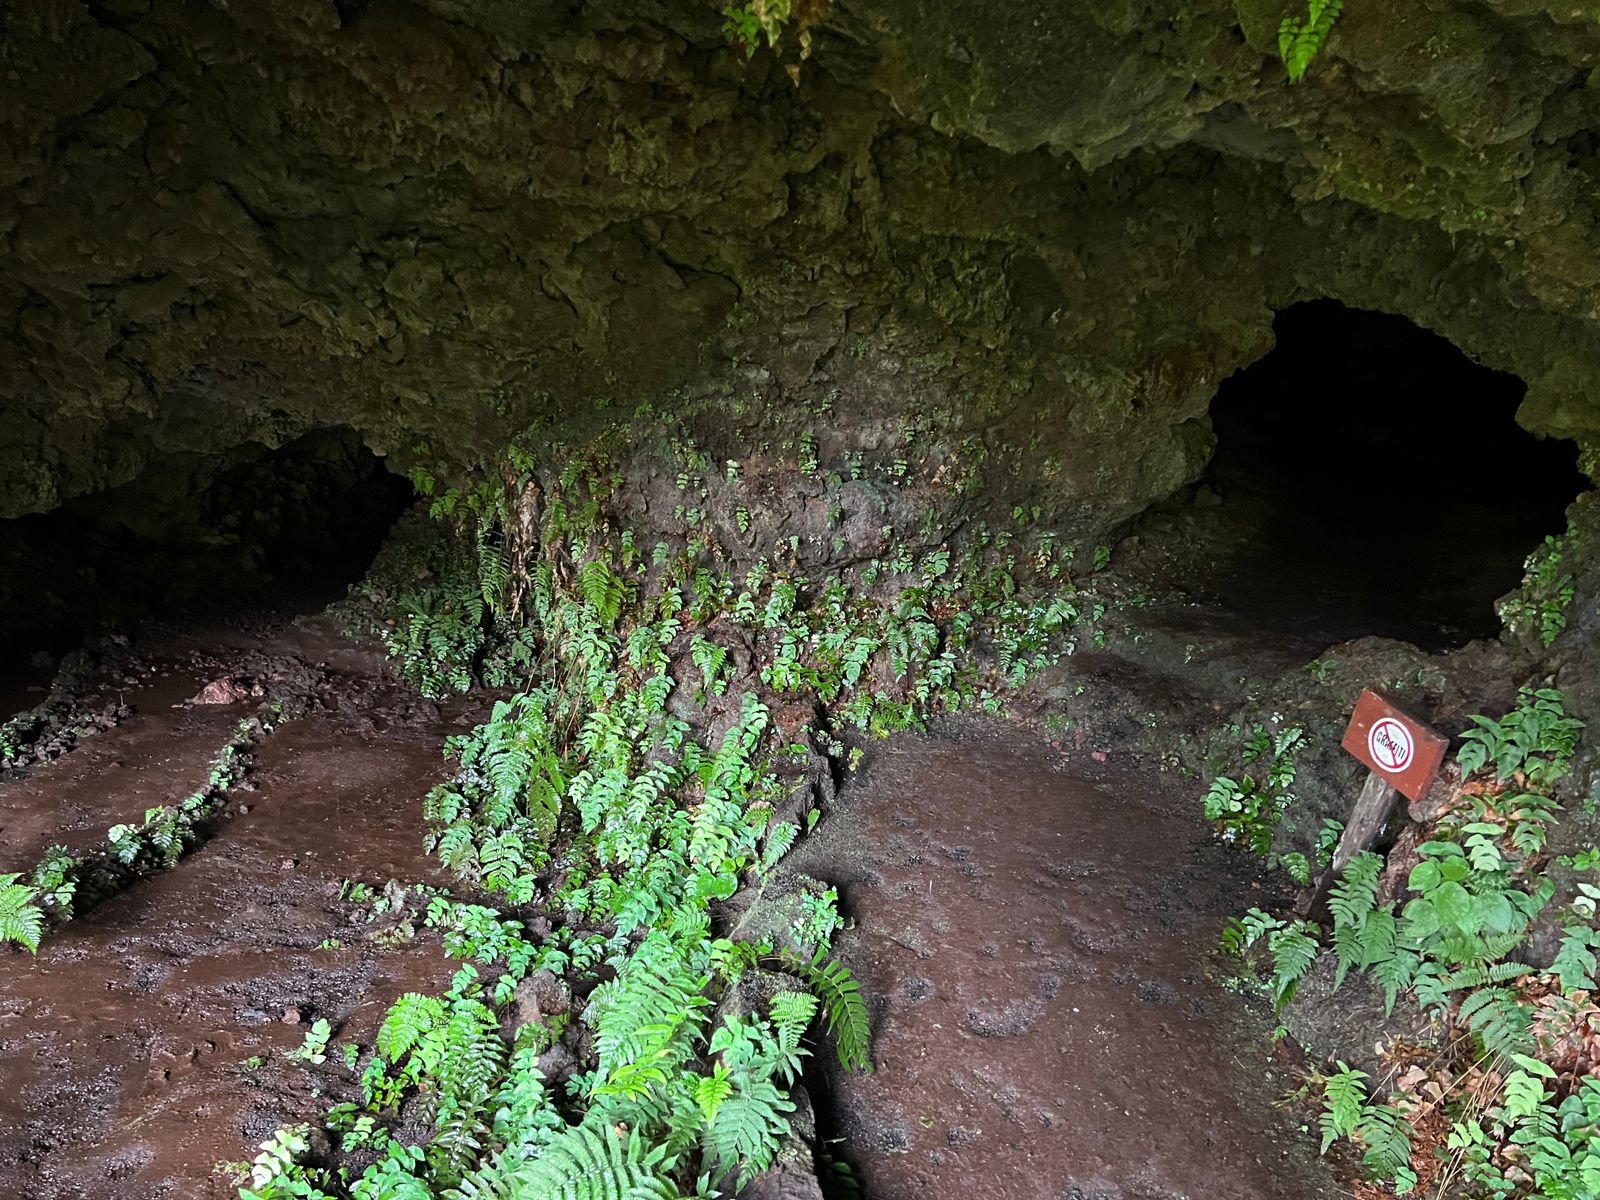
point(1293, 950)
point(1387, 1140)
point(602, 589)
point(1395, 975)
point(411, 1019)
point(652, 1011)
point(831, 982)
point(1299, 38)
point(779, 840)
point(1343, 1097)
point(1356, 893)
point(21, 921)
point(711, 659)
point(1502, 1024)
point(747, 1129)
point(591, 1162)
point(1480, 975)
point(1575, 960)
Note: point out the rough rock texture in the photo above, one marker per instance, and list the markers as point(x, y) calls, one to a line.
point(1056, 224)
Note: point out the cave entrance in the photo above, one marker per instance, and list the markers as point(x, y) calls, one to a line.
point(1375, 481)
point(195, 539)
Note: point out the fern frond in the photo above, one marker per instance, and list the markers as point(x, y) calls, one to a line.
point(1502, 1024)
point(1293, 951)
point(593, 1162)
point(1343, 1096)
point(747, 1129)
point(1479, 975)
point(651, 1011)
point(21, 921)
point(831, 982)
point(1356, 893)
point(1299, 38)
point(1387, 1138)
point(410, 1019)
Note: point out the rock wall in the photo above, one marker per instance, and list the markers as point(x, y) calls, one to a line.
point(1051, 227)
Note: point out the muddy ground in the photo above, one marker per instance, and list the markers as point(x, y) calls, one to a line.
point(1034, 927)
point(127, 1043)
point(1035, 930)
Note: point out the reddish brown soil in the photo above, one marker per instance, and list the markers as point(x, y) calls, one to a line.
point(1035, 933)
point(123, 1044)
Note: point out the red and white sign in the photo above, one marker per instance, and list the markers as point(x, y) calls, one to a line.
point(1394, 744)
point(1390, 744)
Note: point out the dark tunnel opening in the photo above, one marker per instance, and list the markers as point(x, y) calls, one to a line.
point(193, 539)
point(1379, 482)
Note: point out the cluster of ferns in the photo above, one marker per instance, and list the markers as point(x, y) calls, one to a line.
point(585, 798)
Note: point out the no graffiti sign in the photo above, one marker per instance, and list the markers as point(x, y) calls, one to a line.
point(1394, 744)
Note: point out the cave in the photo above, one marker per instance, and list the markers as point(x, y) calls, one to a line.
point(195, 538)
point(575, 576)
point(1371, 479)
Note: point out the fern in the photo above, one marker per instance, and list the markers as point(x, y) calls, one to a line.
point(1293, 950)
point(747, 1129)
point(711, 659)
point(1502, 1024)
point(1356, 893)
point(412, 1017)
point(1395, 975)
point(1575, 960)
point(846, 1013)
point(1299, 38)
point(602, 589)
point(20, 920)
point(780, 839)
point(1343, 1096)
point(1363, 935)
point(653, 1009)
point(792, 1013)
point(494, 571)
point(590, 1162)
point(474, 1056)
point(1387, 1139)
point(1480, 975)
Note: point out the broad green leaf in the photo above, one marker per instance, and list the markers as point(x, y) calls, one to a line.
point(1453, 904)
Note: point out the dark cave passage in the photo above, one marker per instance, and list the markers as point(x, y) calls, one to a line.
point(1374, 480)
point(195, 539)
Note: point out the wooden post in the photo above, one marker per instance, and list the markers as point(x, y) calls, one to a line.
point(1372, 811)
point(1371, 814)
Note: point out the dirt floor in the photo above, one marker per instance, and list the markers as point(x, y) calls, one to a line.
point(126, 1045)
point(1035, 930)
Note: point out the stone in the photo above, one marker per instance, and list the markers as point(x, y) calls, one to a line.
point(541, 995)
point(227, 690)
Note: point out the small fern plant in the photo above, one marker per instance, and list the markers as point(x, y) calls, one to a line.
point(1381, 1131)
point(1299, 38)
point(21, 920)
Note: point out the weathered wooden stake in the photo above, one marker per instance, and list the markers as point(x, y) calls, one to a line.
point(1373, 808)
point(1371, 814)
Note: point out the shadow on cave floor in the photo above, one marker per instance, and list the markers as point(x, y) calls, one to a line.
point(147, 1040)
point(1034, 932)
point(1369, 479)
point(254, 536)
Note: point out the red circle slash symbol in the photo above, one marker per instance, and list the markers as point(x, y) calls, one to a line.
point(1390, 744)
